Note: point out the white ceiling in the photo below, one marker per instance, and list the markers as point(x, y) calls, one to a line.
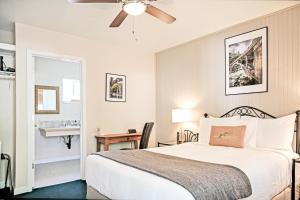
point(195, 18)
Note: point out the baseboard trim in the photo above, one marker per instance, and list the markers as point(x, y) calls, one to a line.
point(21, 190)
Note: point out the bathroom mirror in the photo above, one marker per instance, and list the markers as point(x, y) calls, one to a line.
point(46, 99)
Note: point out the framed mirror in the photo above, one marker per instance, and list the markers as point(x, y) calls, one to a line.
point(46, 99)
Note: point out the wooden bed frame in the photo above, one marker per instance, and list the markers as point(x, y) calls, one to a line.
point(240, 111)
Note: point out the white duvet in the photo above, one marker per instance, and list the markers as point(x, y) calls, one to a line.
point(269, 172)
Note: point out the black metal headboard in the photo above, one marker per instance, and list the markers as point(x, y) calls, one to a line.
point(255, 112)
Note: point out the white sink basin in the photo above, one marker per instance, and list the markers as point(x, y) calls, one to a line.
point(60, 131)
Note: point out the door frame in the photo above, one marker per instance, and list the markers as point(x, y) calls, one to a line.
point(30, 74)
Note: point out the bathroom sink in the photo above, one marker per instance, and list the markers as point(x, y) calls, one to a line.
point(60, 131)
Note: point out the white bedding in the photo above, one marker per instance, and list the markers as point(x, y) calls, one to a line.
point(269, 172)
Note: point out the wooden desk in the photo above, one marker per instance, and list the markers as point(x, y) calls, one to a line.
point(108, 139)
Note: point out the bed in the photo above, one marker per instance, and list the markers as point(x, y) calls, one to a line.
point(268, 170)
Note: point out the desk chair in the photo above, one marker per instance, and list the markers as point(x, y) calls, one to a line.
point(145, 136)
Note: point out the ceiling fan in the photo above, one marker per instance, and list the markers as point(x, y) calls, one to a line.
point(133, 7)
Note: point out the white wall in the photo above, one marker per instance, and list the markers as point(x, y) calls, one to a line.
point(7, 37)
point(193, 75)
point(101, 57)
point(51, 72)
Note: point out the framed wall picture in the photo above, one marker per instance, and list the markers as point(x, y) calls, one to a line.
point(246, 63)
point(115, 88)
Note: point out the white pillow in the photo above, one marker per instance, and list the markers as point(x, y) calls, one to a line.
point(207, 123)
point(276, 133)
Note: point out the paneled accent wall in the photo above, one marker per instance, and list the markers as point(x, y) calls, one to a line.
point(193, 75)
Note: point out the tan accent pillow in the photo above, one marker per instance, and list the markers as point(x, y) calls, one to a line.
point(228, 136)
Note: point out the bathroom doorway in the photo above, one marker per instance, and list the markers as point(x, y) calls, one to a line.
point(56, 129)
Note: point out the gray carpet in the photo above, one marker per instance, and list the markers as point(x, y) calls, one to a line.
point(71, 190)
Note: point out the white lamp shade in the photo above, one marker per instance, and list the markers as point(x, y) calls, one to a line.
point(181, 115)
point(134, 8)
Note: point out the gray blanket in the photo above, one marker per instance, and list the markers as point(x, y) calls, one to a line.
point(205, 181)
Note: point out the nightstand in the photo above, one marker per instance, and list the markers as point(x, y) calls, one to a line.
point(169, 143)
point(293, 193)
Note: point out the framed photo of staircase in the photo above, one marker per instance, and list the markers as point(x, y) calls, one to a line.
point(246, 62)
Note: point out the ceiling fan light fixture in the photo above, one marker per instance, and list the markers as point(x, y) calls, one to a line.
point(134, 8)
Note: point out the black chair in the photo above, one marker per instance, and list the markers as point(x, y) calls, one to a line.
point(145, 136)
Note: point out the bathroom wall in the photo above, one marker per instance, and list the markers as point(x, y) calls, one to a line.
point(51, 72)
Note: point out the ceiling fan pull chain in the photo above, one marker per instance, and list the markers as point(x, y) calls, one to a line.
point(133, 30)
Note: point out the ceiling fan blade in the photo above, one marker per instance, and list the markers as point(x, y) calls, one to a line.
point(119, 19)
point(159, 14)
point(94, 1)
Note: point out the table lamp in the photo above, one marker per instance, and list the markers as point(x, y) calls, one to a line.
point(181, 116)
